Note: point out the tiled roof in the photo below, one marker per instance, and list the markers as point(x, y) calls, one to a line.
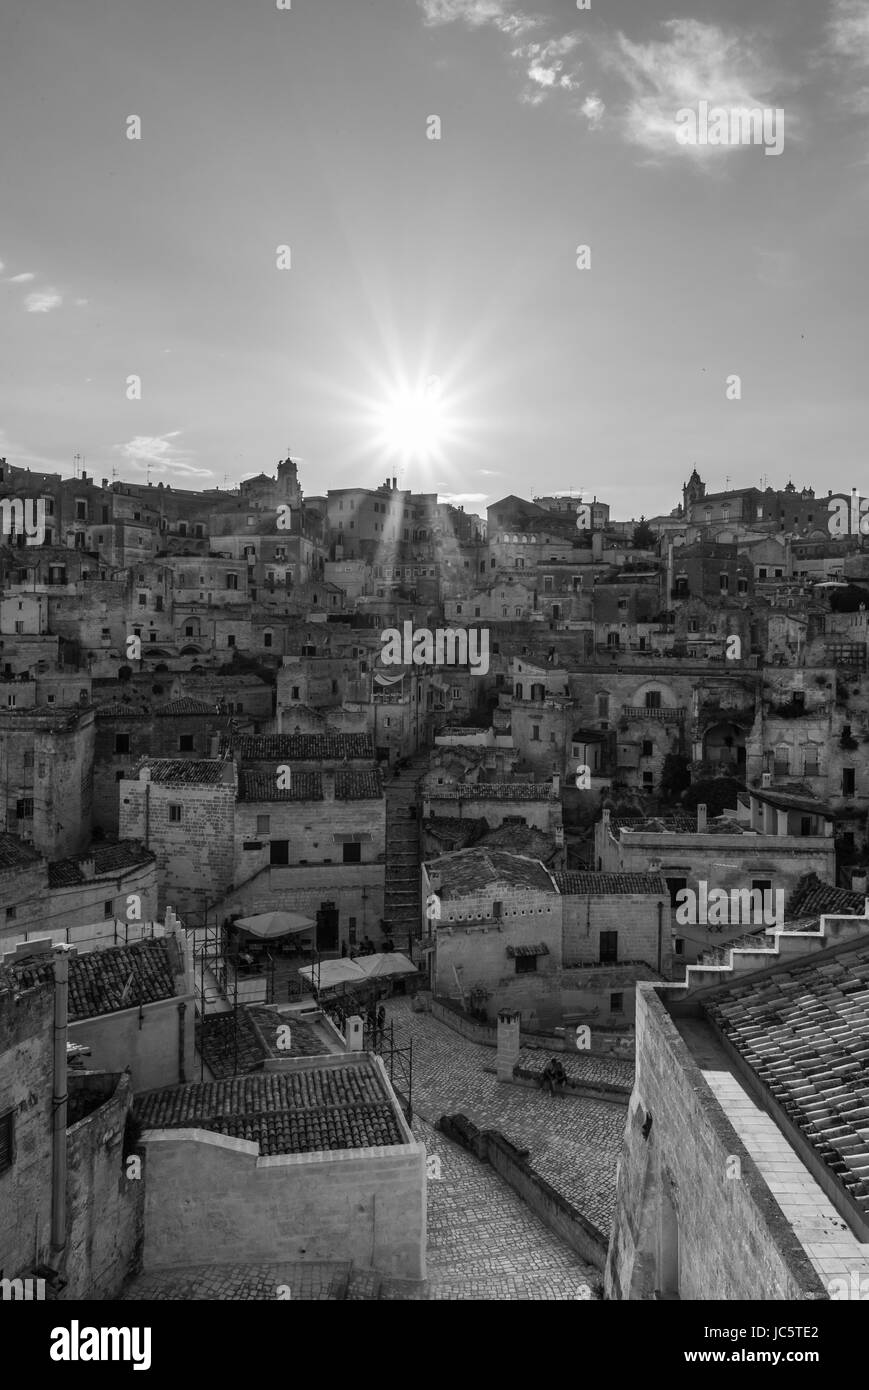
point(577, 884)
point(468, 870)
point(15, 852)
point(193, 771)
point(185, 705)
point(107, 859)
point(262, 786)
point(811, 897)
point(284, 1112)
point(494, 791)
point(680, 825)
point(516, 839)
point(118, 710)
point(804, 1032)
point(358, 786)
point(266, 748)
point(104, 982)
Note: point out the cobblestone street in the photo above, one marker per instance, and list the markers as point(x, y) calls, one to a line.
point(483, 1243)
point(573, 1143)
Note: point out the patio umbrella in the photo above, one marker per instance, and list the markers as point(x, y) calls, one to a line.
point(331, 973)
point(386, 963)
point(268, 925)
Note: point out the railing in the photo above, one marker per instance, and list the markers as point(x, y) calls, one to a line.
point(662, 712)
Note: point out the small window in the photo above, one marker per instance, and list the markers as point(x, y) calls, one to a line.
point(678, 946)
point(186, 743)
point(352, 854)
point(617, 1003)
point(175, 813)
point(535, 732)
point(526, 965)
point(263, 825)
point(122, 743)
point(24, 808)
point(230, 641)
point(653, 699)
point(109, 908)
point(648, 748)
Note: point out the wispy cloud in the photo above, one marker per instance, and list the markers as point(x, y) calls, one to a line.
point(848, 47)
point(43, 301)
point(478, 13)
point(593, 109)
point(459, 498)
point(545, 68)
point(21, 279)
point(157, 453)
point(695, 62)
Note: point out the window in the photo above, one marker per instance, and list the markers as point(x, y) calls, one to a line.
point(267, 639)
point(143, 599)
point(848, 781)
point(352, 854)
point(232, 581)
point(11, 914)
point(186, 743)
point(724, 583)
point(24, 808)
point(535, 732)
point(81, 510)
point(109, 908)
point(603, 706)
point(617, 1003)
point(174, 813)
point(458, 608)
point(653, 699)
point(122, 743)
point(623, 605)
point(609, 947)
point(7, 1140)
point(263, 825)
point(648, 748)
point(693, 625)
point(648, 779)
point(526, 965)
point(547, 583)
point(678, 946)
point(230, 641)
point(295, 693)
point(10, 701)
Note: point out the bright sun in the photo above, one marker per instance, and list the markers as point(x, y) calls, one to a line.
point(413, 421)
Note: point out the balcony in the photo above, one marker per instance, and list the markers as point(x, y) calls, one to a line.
point(662, 713)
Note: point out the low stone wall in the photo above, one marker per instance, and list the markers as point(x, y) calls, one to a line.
point(486, 1034)
point(511, 1163)
point(579, 1090)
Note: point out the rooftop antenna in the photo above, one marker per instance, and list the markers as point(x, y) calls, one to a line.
point(76, 465)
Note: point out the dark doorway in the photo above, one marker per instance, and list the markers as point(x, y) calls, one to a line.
point(279, 851)
point(327, 927)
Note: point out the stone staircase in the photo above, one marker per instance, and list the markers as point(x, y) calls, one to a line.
point(402, 908)
point(771, 947)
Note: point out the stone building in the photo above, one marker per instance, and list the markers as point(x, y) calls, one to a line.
point(741, 1174)
point(46, 766)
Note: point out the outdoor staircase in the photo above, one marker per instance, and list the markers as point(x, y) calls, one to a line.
point(771, 947)
point(402, 909)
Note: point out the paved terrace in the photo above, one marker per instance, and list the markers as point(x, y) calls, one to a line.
point(572, 1143)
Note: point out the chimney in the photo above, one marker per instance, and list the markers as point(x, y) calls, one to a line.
point(87, 868)
point(766, 779)
point(507, 1050)
point(556, 783)
point(858, 880)
point(701, 818)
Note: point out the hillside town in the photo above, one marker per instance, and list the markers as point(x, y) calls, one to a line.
point(398, 903)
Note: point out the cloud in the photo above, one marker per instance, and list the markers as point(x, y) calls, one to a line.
point(21, 279)
point(544, 67)
point(79, 303)
point(593, 109)
point(848, 47)
point(43, 301)
point(477, 13)
point(156, 453)
point(490, 473)
point(696, 62)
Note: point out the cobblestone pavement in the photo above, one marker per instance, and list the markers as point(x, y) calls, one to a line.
point(483, 1244)
point(241, 1282)
point(573, 1142)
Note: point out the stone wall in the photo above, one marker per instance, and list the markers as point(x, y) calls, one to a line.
point(195, 857)
point(26, 1084)
point(682, 1226)
point(105, 1207)
point(634, 916)
point(157, 1044)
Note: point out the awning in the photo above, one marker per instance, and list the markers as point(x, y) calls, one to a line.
point(329, 974)
point(541, 949)
point(268, 925)
point(386, 963)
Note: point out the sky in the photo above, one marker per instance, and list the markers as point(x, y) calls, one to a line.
point(436, 277)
